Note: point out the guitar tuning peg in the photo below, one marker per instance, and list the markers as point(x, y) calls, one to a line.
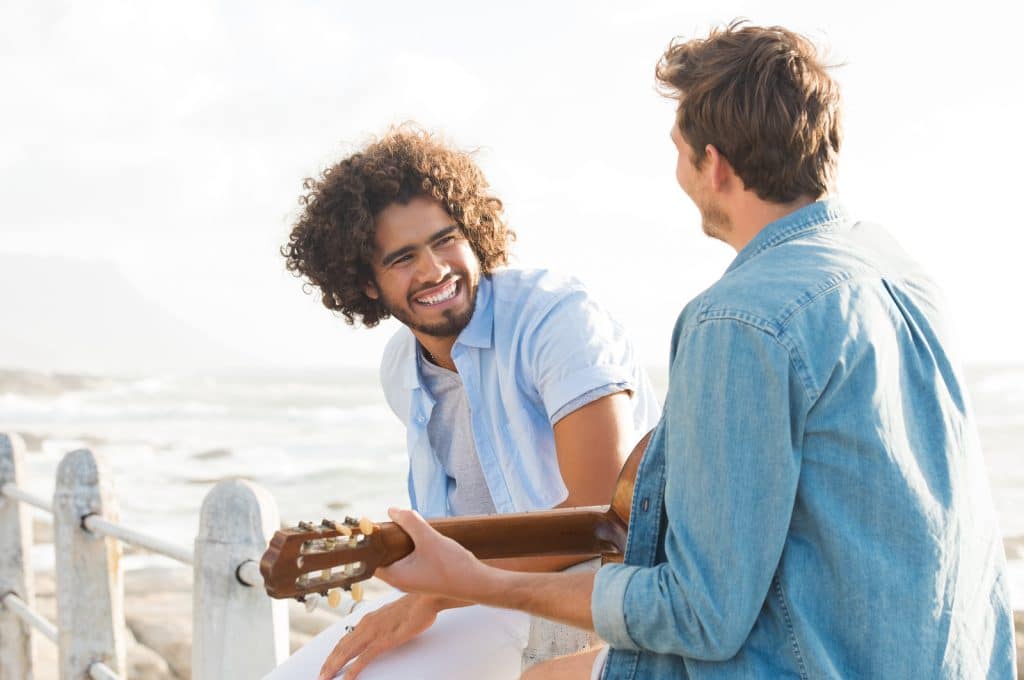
point(312, 601)
point(334, 598)
point(357, 592)
point(365, 526)
point(306, 526)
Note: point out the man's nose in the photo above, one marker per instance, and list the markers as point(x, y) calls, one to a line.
point(432, 267)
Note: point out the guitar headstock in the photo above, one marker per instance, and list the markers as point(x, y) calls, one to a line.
point(317, 558)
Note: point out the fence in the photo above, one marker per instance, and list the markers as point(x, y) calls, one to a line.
point(238, 632)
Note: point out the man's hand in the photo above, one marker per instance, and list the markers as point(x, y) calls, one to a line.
point(440, 566)
point(437, 566)
point(379, 631)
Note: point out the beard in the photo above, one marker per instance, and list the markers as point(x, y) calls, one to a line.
point(453, 320)
point(713, 220)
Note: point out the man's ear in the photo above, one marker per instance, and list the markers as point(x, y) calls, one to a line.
point(371, 290)
point(720, 171)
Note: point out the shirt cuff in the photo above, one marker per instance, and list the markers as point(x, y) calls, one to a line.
point(590, 396)
point(607, 604)
point(580, 383)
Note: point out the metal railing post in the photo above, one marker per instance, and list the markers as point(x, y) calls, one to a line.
point(237, 631)
point(16, 639)
point(90, 577)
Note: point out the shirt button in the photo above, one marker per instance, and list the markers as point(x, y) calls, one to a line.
point(645, 504)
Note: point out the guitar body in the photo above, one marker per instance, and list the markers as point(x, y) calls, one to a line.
point(317, 558)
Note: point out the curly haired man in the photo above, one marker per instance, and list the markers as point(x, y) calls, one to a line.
point(813, 503)
point(517, 391)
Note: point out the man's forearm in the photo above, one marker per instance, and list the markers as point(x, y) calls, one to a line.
point(439, 566)
point(547, 563)
point(558, 596)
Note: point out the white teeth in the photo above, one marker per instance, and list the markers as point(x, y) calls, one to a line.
point(446, 294)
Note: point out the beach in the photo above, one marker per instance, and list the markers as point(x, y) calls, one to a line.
point(324, 445)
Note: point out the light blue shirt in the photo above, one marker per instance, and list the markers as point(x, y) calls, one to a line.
point(535, 343)
point(813, 503)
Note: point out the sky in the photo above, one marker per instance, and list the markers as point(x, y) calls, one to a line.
point(167, 142)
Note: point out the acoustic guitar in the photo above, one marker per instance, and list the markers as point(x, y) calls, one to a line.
point(316, 558)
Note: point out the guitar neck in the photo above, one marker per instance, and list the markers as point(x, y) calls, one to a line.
point(565, 531)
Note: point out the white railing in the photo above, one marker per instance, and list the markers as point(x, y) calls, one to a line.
point(238, 632)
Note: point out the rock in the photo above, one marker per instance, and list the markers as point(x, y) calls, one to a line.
point(158, 580)
point(46, 585)
point(143, 663)
point(1014, 546)
point(201, 481)
point(44, 659)
point(211, 454)
point(42, 531)
point(163, 622)
point(44, 384)
point(33, 441)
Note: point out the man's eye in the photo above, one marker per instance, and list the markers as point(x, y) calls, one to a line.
point(404, 259)
point(446, 240)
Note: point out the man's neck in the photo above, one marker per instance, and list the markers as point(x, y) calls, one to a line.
point(437, 351)
point(751, 214)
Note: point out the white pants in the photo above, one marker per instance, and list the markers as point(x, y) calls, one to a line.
point(467, 643)
point(598, 670)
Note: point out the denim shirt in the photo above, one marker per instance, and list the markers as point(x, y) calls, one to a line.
point(536, 343)
point(813, 503)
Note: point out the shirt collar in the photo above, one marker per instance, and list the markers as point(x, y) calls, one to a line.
point(480, 329)
point(479, 332)
point(823, 215)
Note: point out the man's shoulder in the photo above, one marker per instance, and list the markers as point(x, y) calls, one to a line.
point(533, 287)
point(796, 278)
point(524, 298)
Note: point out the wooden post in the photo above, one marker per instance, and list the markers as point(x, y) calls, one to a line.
point(237, 631)
point(90, 578)
point(16, 639)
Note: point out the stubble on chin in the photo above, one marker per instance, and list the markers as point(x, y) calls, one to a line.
point(453, 320)
point(715, 222)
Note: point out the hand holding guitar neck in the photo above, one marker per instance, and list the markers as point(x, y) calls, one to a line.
point(316, 558)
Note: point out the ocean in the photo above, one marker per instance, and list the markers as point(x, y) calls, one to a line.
point(324, 445)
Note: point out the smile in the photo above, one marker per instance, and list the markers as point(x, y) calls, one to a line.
point(439, 294)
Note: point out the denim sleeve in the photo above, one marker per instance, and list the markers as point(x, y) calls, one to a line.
point(576, 347)
point(732, 426)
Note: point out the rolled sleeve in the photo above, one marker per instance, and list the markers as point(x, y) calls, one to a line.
point(589, 397)
point(607, 604)
point(574, 348)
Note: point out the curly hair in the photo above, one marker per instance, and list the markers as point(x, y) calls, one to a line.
point(332, 242)
point(764, 100)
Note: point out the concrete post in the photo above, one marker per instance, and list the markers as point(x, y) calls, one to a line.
point(237, 631)
point(16, 638)
point(90, 578)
